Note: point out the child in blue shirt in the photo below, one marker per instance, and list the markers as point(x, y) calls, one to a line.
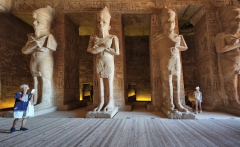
point(20, 107)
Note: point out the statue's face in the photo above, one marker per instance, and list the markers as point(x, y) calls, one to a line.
point(168, 22)
point(39, 23)
point(103, 23)
point(234, 24)
point(230, 21)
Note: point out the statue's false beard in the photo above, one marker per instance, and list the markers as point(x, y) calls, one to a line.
point(39, 31)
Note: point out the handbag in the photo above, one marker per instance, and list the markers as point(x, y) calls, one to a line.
point(30, 110)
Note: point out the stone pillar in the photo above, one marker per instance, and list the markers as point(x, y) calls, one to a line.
point(207, 69)
point(154, 65)
point(120, 94)
point(66, 73)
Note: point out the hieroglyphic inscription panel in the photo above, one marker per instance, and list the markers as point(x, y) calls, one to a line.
point(154, 62)
point(58, 32)
point(71, 62)
point(208, 78)
point(113, 5)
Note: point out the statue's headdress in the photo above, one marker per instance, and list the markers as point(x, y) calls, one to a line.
point(44, 13)
point(227, 13)
point(166, 11)
point(104, 13)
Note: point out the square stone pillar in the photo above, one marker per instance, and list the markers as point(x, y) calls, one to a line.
point(66, 71)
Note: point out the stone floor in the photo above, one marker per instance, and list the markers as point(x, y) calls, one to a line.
point(138, 128)
point(138, 111)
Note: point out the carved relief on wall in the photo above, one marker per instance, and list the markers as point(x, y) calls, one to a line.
point(119, 5)
point(58, 31)
point(138, 66)
point(189, 64)
point(201, 39)
point(12, 38)
point(227, 46)
point(203, 69)
point(154, 64)
point(208, 70)
point(213, 30)
point(71, 55)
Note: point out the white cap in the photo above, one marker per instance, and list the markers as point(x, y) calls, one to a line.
point(197, 87)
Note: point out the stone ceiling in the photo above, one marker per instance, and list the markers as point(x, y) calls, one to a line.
point(134, 24)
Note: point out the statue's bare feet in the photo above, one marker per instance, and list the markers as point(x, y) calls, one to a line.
point(109, 107)
point(98, 109)
point(182, 109)
point(173, 111)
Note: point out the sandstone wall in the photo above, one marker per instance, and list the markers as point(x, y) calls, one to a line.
point(138, 66)
point(206, 65)
point(14, 65)
point(189, 65)
point(66, 75)
point(85, 64)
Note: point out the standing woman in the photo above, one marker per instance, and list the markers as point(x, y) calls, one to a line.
point(22, 99)
point(198, 99)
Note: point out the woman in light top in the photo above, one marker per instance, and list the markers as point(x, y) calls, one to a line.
point(198, 99)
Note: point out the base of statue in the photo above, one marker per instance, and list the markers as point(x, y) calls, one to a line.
point(45, 110)
point(102, 114)
point(175, 114)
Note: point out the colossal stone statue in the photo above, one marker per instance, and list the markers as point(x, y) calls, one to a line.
point(104, 46)
point(227, 45)
point(41, 45)
point(169, 46)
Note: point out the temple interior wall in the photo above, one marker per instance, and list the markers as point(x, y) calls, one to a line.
point(189, 66)
point(14, 65)
point(66, 75)
point(71, 64)
point(138, 67)
point(74, 65)
point(85, 67)
point(206, 60)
